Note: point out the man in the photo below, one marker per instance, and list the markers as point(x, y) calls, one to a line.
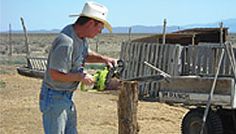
point(65, 69)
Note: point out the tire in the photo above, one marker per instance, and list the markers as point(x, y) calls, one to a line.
point(228, 118)
point(192, 122)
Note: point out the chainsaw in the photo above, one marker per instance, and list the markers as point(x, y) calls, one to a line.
point(110, 78)
point(103, 78)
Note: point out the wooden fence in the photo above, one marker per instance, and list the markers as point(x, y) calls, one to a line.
point(166, 57)
point(176, 60)
point(202, 60)
point(37, 63)
point(36, 67)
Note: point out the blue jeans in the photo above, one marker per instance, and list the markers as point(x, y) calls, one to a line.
point(59, 112)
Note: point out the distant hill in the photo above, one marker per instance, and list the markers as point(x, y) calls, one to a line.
point(143, 29)
point(230, 23)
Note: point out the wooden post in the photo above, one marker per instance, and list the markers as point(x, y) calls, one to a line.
point(164, 33)
point(193, 39)
point(127, 108)
point(216, 55)
point(26, 37)
point(130, 29)
point(221, 33)
point(10, 41)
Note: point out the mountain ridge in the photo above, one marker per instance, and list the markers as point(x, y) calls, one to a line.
point(230, 23)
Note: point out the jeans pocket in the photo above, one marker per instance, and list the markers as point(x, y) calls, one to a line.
point(44, 100)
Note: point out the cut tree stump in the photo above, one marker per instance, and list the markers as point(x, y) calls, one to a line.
point(127, 108)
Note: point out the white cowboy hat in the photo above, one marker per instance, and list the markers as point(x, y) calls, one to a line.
point(95, 11)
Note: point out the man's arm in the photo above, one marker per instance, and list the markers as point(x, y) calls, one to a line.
point(94, 57)
point(71, 77)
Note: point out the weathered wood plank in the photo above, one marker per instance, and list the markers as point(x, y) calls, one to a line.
point(131, 60)
point(128, 59)
point(171, 59)
point(135, 66)
point(178, 66)
point(155, 57)
point(125, 55)
point(152, 55)
point(198, 85)
point(165, 58)
point(204, 60)
point(147, 70)
point(193, 56)
point(143, 67)
point(141, 51)
point(141, 89)
point(160, 55)
point(184, 61)
point(210, 62)
point(199, 59)
point(188, 55)
point(138, 59)
point(227, 65)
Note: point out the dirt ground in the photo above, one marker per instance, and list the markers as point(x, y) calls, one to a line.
point(97, 112)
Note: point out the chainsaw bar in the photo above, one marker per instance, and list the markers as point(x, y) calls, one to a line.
point(147, 78)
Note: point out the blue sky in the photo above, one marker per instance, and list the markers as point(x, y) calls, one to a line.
point(53, 14)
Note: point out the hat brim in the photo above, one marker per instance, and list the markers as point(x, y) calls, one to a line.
point(105, 22)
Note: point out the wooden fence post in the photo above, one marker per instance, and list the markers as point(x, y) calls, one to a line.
point(221, 33)
point(193, 39)
point(127, 108)
point(10, 41)
point(26, 37)
point(164, 32)
point(130, 29)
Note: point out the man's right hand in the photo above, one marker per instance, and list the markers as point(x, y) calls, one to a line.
point(88, 79)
